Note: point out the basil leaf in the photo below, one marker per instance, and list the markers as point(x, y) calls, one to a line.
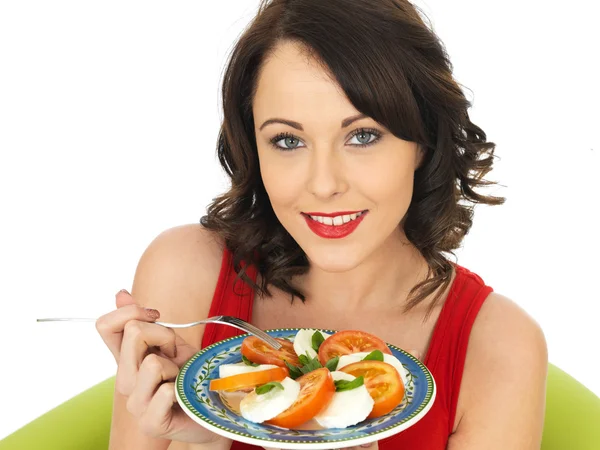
point(295, 372)
point(248, 362)
point(312, 364)
point(304, 360)
point(317, 340)
point(268, 387)
point(375, 355)
point(332, 363)
point(344, 385)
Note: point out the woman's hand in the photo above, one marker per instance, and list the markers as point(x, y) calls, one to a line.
point(149, 357)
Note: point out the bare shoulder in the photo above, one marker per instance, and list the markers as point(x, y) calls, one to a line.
point(178, 272)
point(503, 323)
point(504, 381)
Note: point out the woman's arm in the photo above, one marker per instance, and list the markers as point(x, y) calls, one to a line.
point(503, 390)
point(176, 275)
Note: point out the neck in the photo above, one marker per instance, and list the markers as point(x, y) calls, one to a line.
point(383, 280)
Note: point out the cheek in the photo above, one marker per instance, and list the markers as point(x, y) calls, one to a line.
point(281, 179)
point(388, 184)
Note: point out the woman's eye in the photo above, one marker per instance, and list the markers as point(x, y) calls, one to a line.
point(286, 143)
point(363, 138)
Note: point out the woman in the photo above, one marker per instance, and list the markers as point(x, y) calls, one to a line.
point(354, 168)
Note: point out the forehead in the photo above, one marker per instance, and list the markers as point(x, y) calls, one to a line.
point(294, 84)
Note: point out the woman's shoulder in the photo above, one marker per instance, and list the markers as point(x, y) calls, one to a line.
point(507, 359)
point(178, 272)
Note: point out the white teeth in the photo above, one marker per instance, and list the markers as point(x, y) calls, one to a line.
point(337, 220)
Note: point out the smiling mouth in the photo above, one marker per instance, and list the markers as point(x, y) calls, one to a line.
point(334, 225)
point(335, 219)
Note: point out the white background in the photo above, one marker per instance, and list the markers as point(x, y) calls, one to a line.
point(109, 113)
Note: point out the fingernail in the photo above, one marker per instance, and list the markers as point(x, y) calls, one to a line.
point(124, 291)
point(153, 314)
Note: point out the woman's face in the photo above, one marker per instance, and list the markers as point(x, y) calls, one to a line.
point(338, 182)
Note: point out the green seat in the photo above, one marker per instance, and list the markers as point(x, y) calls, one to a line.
point(572, 419)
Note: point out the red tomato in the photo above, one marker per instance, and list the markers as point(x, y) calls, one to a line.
point(245, 381)
point(383, 383)
point(316, 390)
point(260, 352)
point(347, 342)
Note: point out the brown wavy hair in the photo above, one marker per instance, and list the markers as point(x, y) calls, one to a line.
point(394, 69)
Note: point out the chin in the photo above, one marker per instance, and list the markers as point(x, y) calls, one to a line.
point(334, 261)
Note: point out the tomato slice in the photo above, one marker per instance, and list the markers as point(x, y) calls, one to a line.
point(350, 341)
point(250, 380)
point(316, 390)
point(383, 383)
point(260, 352)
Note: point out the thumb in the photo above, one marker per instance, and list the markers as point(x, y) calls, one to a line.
point(184, 351)
point(124, 298)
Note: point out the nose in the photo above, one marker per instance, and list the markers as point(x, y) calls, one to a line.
point(326, 178)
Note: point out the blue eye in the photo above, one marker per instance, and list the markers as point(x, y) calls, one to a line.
point(286, 142)
point(364, 137)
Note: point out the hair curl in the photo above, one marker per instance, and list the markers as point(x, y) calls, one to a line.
point(403, 80)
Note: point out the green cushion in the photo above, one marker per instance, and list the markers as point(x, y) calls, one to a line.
point(572, 419)
point(572, 414)
point(82, 422)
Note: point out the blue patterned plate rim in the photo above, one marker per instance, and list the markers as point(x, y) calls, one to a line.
point(208, 409)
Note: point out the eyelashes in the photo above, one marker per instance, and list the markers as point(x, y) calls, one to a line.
point(291, 142)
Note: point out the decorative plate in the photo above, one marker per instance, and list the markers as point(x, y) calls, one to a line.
point(216, 413)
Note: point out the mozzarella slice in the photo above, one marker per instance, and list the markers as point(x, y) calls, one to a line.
point(390, 359)
point(228, 370)
point(258, 408)
point(346, 408)
point(303, 342)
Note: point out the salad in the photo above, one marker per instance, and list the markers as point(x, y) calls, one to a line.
point(334, 381)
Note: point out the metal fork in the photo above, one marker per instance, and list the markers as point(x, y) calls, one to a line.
point(224, 320)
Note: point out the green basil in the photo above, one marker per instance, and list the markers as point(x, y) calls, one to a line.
point(248, 362)
point(295, 372)
point(332, 363)
point(310, 364)
point(375, 355)
point(268, 387)
point(317, 340)
point(344, 385)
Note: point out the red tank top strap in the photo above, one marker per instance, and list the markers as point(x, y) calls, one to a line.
point(448, 348)
point(233, 297)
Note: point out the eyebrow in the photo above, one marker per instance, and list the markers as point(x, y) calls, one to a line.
point(345, 123)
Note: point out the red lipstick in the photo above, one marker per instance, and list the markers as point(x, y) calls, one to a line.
point(333, 231)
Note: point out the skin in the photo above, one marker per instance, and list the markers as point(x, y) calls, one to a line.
point(361, 281)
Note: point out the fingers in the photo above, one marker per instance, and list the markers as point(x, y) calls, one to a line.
point(138, 339)
point(162, 420)
point(157, 419)
point(123, 298)
point(154, 370)
point(111, 325)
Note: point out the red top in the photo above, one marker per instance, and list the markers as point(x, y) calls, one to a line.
point(445, 357)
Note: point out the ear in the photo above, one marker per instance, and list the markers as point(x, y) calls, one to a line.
point(419, 156)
